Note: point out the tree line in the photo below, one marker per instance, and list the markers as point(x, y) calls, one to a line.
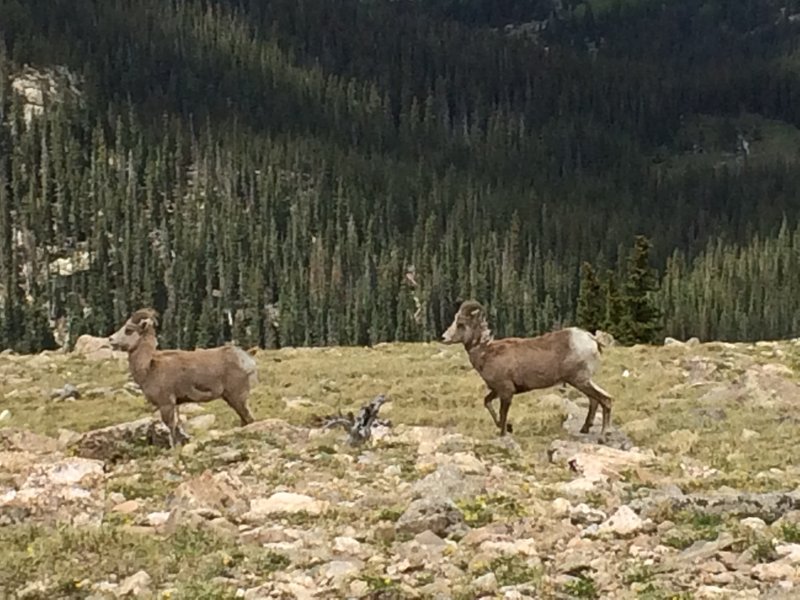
point(339, 172)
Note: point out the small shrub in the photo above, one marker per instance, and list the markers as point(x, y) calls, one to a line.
point(790, 532)
point(390, 514)
point(269, 562)
point(513, 570)
point(476, 512)
point(378, 583)
point(764, 552)
point(638, 573)
point(678, 540)
point(582, 587)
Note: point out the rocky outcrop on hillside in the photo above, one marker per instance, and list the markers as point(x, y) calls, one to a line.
point(38, 87)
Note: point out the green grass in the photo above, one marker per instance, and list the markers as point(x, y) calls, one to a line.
point(427, 384)
point(432, 385)
point(66, 558)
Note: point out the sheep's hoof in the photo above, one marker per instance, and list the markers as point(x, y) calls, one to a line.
point(585, 429)
point(509, 428)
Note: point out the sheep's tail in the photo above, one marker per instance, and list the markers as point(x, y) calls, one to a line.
point(600, 345)
point(247, 363)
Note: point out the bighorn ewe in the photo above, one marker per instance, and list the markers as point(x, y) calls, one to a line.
point(172, 377)
point(515, 365)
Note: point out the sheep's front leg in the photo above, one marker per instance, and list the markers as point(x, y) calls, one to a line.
point(487, 402)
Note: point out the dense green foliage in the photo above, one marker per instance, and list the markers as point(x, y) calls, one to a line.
point(630, 314)
point(231, 157)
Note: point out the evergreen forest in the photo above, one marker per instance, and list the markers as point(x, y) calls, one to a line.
point(345, 172)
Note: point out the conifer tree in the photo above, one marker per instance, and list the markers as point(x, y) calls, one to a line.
point(641, 321)
point(614, 305)
point(591, 301)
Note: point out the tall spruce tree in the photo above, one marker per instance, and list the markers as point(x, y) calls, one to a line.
point(642, 319)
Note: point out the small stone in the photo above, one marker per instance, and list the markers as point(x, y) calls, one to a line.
point(284, 502)
point(561, 507)
point(749, 434)
point(346, 545)
point(486, 584)
point(754, 524)
point(583, 514)
point(359, 588)
point(135, 585)
point(774, 571)
point(789, 553)
point(201, 422)
point(156, 519)
point(622, 523)
point(392, 471)
point(338, 570)
point(429, 539)
point(127, 507)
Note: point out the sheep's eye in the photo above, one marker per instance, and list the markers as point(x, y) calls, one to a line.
point(129, 331)
point(460, 326)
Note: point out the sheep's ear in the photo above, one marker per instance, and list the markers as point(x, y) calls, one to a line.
point(145, 323)
point(475, 312)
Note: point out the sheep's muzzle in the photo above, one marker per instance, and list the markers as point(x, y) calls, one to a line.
point(449, 334)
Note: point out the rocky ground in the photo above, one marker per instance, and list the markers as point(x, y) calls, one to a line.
point(694, 495)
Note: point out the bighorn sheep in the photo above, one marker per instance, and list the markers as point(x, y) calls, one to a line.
point(172, 377)
point(515, 365)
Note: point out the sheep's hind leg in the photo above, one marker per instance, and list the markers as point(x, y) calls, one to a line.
point(587, 425)
point(179, 430)
point(169, 416)
point(239, 404)
point(505, 404)
point(605, 400)
point(596, 395)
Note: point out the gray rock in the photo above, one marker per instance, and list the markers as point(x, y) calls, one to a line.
point(201, 422)
point(69, 490)
point(583, 514)
point(767, 506)
point(136, 585)
point(115, 441)
point(438, 514)
point(448, 481)
point(68, 392)
point(486, 584)
point(21, 440)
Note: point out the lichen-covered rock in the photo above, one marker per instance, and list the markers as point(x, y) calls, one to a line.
point(438, 514)
point(114, 441)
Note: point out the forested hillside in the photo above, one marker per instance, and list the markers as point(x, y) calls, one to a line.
point(305, 172)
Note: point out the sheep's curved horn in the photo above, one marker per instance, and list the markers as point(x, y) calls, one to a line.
point(471, 308)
